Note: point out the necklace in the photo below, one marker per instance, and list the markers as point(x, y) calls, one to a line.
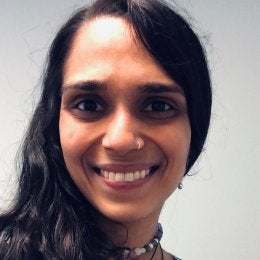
point(133, 253)
point(154, 253)
point(161, 251)
point(162, 257)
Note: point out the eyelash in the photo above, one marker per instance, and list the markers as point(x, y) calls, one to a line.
point(159, 104)
point(153, 108)
point(92, 103)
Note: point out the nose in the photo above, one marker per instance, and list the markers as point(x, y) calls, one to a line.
point(120, 136)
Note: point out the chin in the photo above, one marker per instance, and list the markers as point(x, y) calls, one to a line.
point(128, 213)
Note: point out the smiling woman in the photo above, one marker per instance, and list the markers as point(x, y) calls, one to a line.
point(123, 116)
point(99, 126)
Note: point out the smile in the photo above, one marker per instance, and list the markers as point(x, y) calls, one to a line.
point(125, 173)
point(127, 177)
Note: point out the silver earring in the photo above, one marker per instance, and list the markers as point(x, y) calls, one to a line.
point(139, 143)
point(180, 186)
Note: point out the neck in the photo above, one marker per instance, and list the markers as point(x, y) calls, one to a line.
point(132, 234)
point(129, 234)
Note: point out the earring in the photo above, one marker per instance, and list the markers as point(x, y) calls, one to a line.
point(180, 186)
point(139, 143)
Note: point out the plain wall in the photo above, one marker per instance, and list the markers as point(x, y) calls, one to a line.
point(216, 215)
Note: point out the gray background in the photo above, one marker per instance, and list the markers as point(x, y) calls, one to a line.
point(216, 215)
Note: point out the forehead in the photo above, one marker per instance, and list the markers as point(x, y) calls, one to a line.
point(108, 28)
point(107, 48)
point(104, 33)
point(103, 39)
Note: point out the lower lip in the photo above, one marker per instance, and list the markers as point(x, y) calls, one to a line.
point(126, 184)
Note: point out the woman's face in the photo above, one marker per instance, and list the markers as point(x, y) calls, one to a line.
point(114, 92)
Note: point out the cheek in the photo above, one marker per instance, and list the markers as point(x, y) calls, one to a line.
point(175, 140)
point(71, 138)
point(175, 144)
point(68, 133)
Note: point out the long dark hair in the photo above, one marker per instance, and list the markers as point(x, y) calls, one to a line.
point(50, 218)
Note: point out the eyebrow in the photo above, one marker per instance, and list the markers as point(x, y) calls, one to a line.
point(160, 88)
point(90, 85)
point(150, 88)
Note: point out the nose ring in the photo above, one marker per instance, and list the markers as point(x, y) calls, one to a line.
point(139, 143)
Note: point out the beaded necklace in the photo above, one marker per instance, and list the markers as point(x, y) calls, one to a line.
point(133, 253)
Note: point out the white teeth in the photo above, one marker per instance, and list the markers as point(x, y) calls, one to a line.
point(128, 177)
point(142, 174)
point(106, 174)
point(111, 176)
point(119, 177)
point(136, 175)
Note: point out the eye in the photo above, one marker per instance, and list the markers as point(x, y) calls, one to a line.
point(159, 109)
point(89, 105)
point(158, 106)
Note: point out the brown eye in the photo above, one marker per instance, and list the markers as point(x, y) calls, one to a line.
point(159, 109)
point(89, 106)
point(158, 106)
